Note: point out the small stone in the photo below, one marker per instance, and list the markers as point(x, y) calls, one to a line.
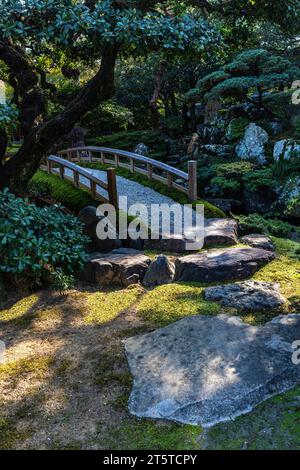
point(249, 295)
point(160, 271)
point(258, 241)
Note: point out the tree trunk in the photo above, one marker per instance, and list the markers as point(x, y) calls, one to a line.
point(3, 144)
point(153, 106)
point(16, 173)
point(185, 118)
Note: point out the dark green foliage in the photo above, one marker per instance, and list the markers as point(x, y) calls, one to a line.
point(109, 116)
point(222, 186)
point(61, 191)
point(62, 281)
point(34, 240)
point(129, 140)
point(236, 129)
point(252, 70)
point(261, 180)
point(296, 126)
point(255, 223)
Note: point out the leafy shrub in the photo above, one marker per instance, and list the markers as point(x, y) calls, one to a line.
point(39, 188)
point(255, 223)
point(221, 186)
point(260, 180)
point(42, 184)
point(296, 125)
point(236, 129)
point(62, 281)
point(108, 115)
point(34, 240)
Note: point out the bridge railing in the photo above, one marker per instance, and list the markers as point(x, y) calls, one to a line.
point(153, 169)
point(81, 178)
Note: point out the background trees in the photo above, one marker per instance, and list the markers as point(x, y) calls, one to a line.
point(85, 41)
point(94, 32)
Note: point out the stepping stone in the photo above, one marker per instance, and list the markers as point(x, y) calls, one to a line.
point(216, 232)
point(207, 369)
point(160, 271)
point(121, 267)
point(258, 241)
point(220, 232)
point(250, 295)
point(221, 264)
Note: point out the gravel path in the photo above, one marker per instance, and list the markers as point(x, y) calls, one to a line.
point(138, 194)
point(217, 230)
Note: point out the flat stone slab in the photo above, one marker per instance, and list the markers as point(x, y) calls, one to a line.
point(122, 267)
point(221, 264)
point(249, 295)
point(259, 241)
point(216, 232)
point(207, 369)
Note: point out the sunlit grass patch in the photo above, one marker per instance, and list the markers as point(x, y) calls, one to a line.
point(19, 309)
point(171, 302)
point(15, 370)
point(285, 270)
point(106, 306)
point(145, 434)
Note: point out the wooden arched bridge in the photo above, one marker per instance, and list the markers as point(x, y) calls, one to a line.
point(105, 187)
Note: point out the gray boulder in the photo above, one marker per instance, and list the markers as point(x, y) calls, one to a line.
point(217, 150)
point(120, 267)
point(207, 369)
point(286, 149)
point(142, 149)
point(220, 232)
point(249, 295)
point(221, 264)
point(252, 145)
point(160, 271)
point(258, 241)
point(90, 219)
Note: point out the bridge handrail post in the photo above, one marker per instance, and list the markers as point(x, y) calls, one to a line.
point(192, 181)
point(112, 187)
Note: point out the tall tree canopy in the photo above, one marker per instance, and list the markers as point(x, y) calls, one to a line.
point(253, 70)
point(36, 35)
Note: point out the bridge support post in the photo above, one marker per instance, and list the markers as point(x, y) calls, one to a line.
point(192, 172)
point(112, 187)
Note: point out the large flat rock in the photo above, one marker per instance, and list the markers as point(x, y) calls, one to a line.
point(221, 264)
point(208, 369)
point(121, 267)
point(249, 295)
point(216, 232)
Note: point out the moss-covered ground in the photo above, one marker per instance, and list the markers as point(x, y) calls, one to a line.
point(65, 381)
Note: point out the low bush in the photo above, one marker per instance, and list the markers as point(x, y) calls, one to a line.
point(222, 186)
point(63, 192)
point(260, 180)
point(62, 282)
point(255, 223)
point(34, 240)
point(236, 129)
